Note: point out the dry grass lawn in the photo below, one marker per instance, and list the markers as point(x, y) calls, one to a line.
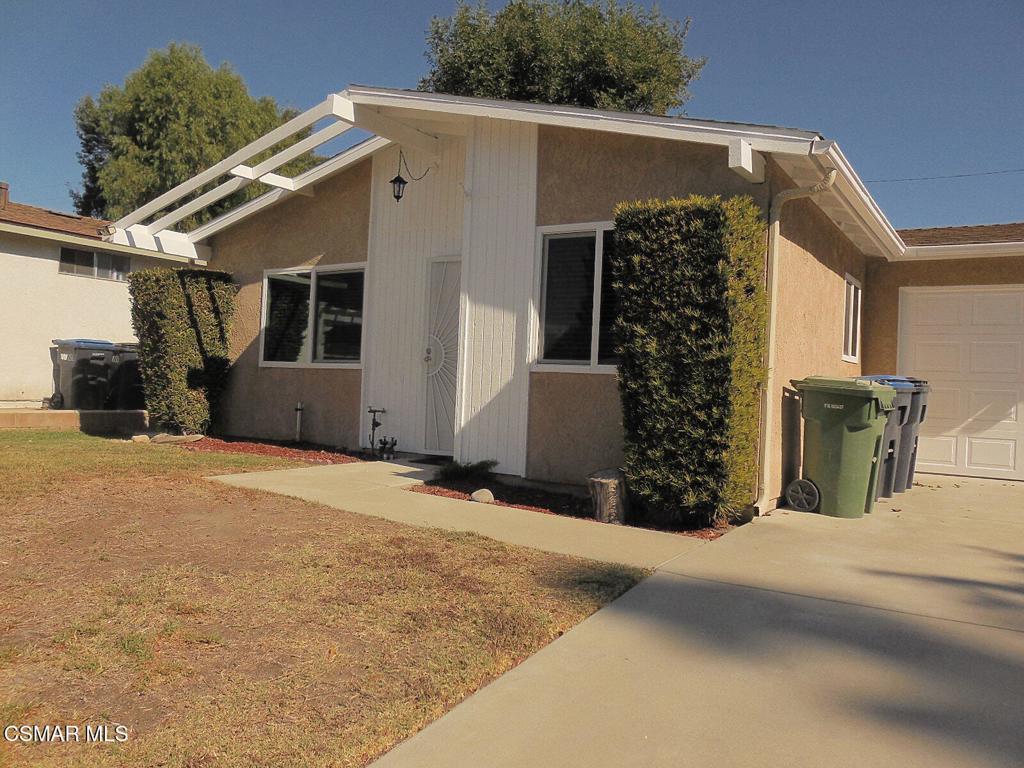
point(227, 627)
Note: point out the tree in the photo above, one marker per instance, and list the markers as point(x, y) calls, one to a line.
point(173, 118)
point(592, 54)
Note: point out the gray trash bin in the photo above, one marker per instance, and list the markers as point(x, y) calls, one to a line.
point(907, 462)
point(888, 460)
point(83, 373)
point(125, 386)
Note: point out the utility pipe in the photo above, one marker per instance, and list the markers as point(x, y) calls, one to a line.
point(771, 270)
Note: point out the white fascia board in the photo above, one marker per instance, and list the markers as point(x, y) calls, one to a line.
point(91, 244)
point(760, 139)
point(858, 199)
point(304, 180)
point(309, 117)
point(962, 251)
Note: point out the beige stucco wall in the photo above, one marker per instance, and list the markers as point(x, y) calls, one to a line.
point(330, 228)
point(582, 175)
point(814, 259)
point(38, 304)
point(882, 297)
point(575, 426)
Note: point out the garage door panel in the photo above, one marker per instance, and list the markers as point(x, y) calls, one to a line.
point(995, 357)
point(939, 356)
point(986, 453)
point(997, 309)
point(938, 450)
point(994, 406)
point(969, 344)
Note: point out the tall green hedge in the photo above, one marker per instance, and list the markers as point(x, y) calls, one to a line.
point(182, 318)
point(689, 276)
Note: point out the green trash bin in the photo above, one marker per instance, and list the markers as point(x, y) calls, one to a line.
point(843, 424)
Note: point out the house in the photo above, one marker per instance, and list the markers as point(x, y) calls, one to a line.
point(60, 280)
point(470, 309)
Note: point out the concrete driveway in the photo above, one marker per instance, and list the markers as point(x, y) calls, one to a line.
point(896, 640)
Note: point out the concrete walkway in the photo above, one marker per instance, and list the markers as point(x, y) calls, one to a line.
point(380, 489)
point(896, 640)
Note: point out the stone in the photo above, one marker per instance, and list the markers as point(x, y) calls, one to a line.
point(140, 438)
point(608, 494)
point(165, 439)
point(482, 495)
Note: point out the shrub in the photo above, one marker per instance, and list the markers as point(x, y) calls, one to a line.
point(477, 470)
point(182, 318)
point(688, 274)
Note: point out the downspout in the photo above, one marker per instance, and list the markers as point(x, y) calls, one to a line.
point(771, 272)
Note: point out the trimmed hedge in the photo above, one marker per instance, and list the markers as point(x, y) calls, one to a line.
point(690, 334)
point(182, 318)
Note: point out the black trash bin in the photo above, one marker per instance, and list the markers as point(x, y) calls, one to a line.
point(888, 460)
point(907, 462)
point(125, 388)
point(83, 373)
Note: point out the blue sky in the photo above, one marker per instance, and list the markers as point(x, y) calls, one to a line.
point(908, 87)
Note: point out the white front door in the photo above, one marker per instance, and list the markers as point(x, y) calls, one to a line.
point(441, 354)
point(969, 344)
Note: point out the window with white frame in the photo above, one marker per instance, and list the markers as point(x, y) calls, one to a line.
point(105, 266)
point(577, 300)
point(313, 316)
point(851, 325)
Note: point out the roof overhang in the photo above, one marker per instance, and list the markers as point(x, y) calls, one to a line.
point(418, 119)
point(92, 244)
point(962, 251)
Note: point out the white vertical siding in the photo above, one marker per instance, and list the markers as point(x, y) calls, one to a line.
point(497, 287)
point(403, 237)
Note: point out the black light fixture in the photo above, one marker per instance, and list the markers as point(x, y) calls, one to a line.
point(398, 183)
point(398, 187)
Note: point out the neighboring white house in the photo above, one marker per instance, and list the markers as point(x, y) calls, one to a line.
point(58, 279)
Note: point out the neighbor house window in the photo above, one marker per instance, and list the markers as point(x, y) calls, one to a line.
point(578, 304)
point(851, 322)
point(107, 266)
point(313, 316)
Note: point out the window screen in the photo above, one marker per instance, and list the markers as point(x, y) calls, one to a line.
point(339, 316)
point(112, 266)
point(75, 262)
point(568, 296)
point(287, 321)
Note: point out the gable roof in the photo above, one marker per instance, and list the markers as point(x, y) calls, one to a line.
point(977, 233)
point(53, 221)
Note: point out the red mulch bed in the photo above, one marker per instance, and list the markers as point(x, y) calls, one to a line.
point(548, 502)
point(310, 452)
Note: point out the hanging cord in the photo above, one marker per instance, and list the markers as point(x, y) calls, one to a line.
point(402, 161)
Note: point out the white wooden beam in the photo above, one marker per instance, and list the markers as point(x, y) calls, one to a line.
point(283, 182)
point(208, 198)
point(309, 117)
point(745, 161)
point(370, 119)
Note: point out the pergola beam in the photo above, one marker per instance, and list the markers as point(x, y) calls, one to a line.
point(745, 161)
point(370, 119)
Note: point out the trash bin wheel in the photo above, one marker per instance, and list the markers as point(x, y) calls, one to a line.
point(803, 495)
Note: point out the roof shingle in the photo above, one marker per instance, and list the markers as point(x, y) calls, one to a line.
point(43, 218)
point(978, 233)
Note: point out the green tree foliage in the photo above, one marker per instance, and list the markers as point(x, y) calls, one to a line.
point(182, 318)
point(173, 118)
point(691, 332)
point(591, 54)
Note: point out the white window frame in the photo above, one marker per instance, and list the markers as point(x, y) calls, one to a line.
point(95, 264)
point(308, 362)
point(853, 311)
point(597, 228)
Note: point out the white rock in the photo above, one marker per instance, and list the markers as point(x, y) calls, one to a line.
point(483, 495)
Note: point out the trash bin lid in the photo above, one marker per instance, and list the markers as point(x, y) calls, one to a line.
point(849, 386)
point(896, 382)
point(84, 343)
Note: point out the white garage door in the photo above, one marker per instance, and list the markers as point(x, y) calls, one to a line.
point(969, 343)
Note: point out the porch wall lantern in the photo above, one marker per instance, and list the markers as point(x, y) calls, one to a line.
point(399, 182)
